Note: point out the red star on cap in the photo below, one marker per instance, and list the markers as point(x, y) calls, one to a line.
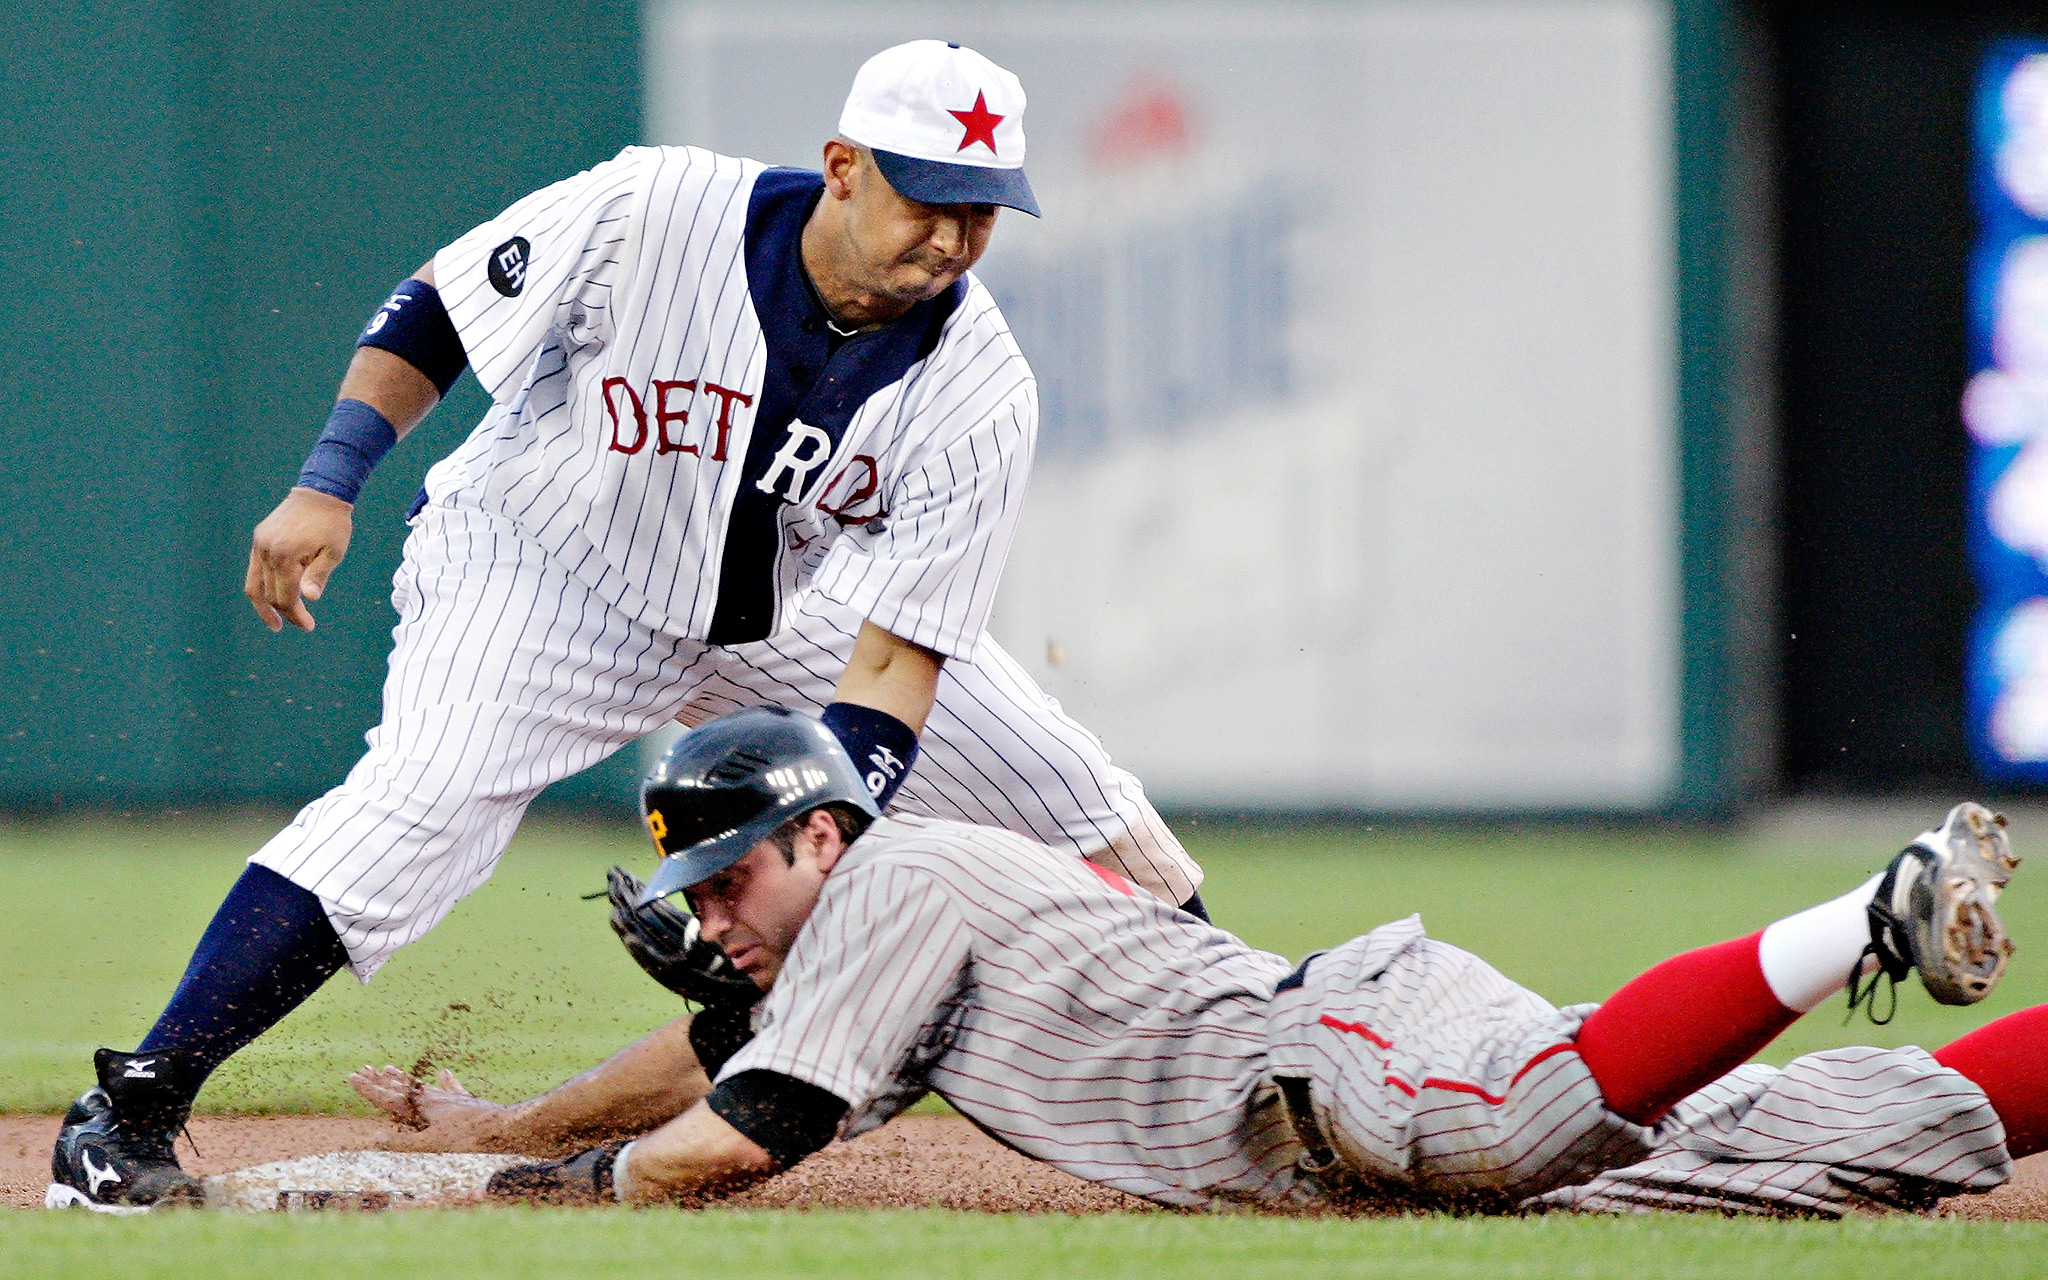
point(980, 123)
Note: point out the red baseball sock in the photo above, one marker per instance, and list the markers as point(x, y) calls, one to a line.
point(1681, 1026)
point(2008, 1060)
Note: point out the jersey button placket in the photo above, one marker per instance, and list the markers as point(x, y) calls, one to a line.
point(817, 404)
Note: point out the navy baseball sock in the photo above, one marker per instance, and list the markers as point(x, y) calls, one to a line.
point(268, 948)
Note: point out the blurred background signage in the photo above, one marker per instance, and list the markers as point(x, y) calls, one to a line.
point(1492, 406)
point(2005, 408)
point(1353, 329)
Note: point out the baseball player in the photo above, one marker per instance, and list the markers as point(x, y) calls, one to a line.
point(757, 436)
point(1091, 1026)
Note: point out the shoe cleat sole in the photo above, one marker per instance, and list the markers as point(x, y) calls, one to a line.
point(1960, 945)
point(60, 1196)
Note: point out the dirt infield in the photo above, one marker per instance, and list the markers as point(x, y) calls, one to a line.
point(913, 1162)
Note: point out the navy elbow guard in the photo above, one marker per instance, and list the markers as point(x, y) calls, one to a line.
point(414, 326)
point(786, 1117)
point(883, 748)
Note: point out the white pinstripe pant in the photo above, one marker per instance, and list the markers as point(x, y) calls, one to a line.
point(1834, 1131)
point(1435, 1076)
point(508, 674)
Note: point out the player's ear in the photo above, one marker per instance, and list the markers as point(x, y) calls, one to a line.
point(841, 165)
point(822, 830)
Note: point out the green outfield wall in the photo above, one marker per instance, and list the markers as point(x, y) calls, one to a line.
point(203, 205)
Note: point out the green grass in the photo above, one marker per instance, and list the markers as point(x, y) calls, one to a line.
point(524, 984)
point(934, 1245)
point(520, 986)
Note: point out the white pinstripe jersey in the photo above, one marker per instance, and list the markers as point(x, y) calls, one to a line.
point(1085, 1023)
point(673, 419)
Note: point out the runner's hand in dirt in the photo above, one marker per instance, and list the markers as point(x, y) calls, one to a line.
point(432, 1117)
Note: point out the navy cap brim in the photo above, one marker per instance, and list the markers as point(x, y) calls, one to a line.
point(936, 182)
point(694, 866)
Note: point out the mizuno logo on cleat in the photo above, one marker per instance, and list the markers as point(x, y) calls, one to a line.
point(97, 1177)
point(135, 1070)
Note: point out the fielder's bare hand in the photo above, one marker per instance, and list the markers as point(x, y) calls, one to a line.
point(295, 549)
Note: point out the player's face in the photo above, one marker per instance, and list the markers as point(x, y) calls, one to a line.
point(755, 908)
point(909, 251)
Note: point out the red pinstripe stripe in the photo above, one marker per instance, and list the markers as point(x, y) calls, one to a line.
point(1438, 1082)
point(1459, 1086)
point(1111, 878)
point(1356, 1029)
point(1551, 1052)
point(1535, 1118)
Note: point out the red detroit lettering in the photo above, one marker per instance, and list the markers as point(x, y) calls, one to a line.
point(726, 395)
point(663, 415)
point(667, 413)
point(611, 408)
point(871, 477)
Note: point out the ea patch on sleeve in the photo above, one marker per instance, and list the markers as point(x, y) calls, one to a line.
point(507, 266)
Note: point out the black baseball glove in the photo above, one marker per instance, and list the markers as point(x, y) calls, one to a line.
point(583, 1179)
point(665, 940)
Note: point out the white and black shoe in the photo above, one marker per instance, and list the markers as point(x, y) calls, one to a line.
point(1933, 912)
point(114, 1152)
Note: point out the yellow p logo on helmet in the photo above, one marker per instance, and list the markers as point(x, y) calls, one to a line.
point(658, 825)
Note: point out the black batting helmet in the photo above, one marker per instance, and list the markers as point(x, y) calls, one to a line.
point(726, 784)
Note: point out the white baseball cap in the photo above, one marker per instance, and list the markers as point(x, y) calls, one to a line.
point(946, 125)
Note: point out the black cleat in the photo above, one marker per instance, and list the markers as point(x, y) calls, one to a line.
point(114, 1153)
point(1933, 912)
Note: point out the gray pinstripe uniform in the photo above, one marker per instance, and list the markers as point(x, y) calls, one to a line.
point(1105, 1033)
point(686, 497)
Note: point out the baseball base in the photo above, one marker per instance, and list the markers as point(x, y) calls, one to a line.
point(358, 1181)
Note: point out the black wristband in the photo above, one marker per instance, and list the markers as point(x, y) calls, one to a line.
point(414, 326)
point(883, 748)
point(585, 1178)
point(717, 1032)
point(786, 1117)
point(356, 439)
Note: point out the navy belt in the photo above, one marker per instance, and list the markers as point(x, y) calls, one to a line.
point(1317, 1159)
point(1293, 981)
